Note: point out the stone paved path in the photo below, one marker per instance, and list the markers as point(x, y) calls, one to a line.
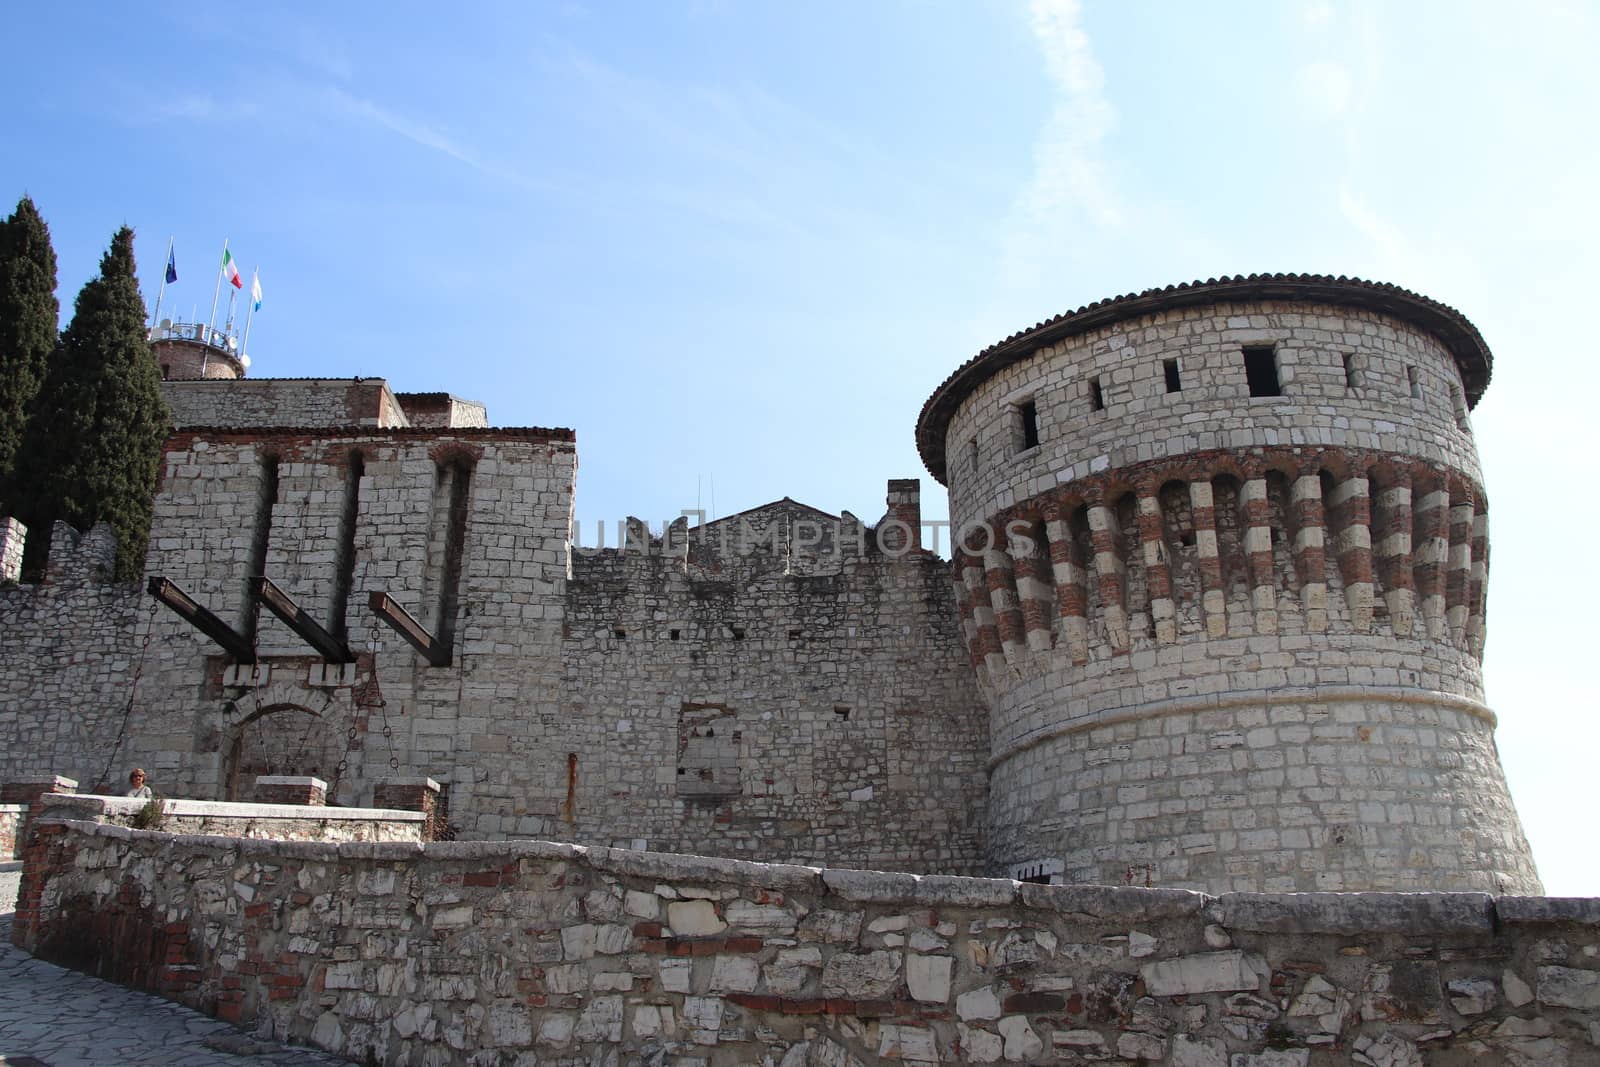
point(50, 1017)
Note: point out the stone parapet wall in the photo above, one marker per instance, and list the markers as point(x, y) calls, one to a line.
point(266, 402)
point(280, 822)
point(539, 952)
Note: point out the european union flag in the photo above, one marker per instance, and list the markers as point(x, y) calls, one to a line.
point(172, 266)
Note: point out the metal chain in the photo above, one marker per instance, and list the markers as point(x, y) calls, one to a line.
point(133, 691)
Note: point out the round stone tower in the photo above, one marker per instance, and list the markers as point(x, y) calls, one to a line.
point(189, 350)
point(1222, 570)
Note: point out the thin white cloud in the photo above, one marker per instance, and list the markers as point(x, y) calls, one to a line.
point(416, 132)
point(419, 133)
point(1070, 173)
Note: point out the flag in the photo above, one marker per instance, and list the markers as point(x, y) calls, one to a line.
point(230, 270)
point(172, 266)
point(255, 291)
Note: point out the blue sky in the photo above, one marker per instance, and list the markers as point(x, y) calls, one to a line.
point(743, 242)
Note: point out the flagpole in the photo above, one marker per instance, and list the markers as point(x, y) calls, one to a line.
point(233, 296)
point(255, 280)
point(163, 290)
point(211, 325)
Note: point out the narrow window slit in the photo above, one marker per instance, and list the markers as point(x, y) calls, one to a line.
point(1028, 423)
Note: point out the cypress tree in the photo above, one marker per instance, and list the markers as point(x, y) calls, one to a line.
point(93, 446)
point(29, 319)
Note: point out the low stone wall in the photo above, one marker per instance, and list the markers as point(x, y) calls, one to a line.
point(525, 952)
point(12, 819)
point(281, 822)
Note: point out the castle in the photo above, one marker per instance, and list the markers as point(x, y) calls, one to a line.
point(1213, 618)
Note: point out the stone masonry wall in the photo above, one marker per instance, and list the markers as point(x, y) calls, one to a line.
point(1182, 599)
point(537, 952)
point(791, 695)
point(268, 402)
point(69, 648)
point(441, 410)
point(279, 822)
point(1141, 421)
point(204, 727)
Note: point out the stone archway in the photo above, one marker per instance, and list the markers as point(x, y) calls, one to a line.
point(282, 738)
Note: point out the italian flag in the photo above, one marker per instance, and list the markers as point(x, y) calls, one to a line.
point(232, 271)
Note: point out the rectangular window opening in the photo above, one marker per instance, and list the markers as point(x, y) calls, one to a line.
point(972, 452)
point(841, 712)
point(1413, 383)
point(738, 632)
point(674, 634)
point(1097, 396)
point(619, 633)
point(1028, 420)
point(1261, 370)
point(1170, 368)
point(1352, 376)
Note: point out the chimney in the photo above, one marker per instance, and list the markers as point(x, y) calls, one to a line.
point(905, 505)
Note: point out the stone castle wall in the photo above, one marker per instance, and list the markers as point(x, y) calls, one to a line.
point(841, 725)
point(279, 402)
point(462, 953)
point(70, 647)
point(204, 727)
point(1247, 628)
point(745, 695)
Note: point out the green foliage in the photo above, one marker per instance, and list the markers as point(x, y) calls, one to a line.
point(92, 449)
point(153, 816)
point(29, 319)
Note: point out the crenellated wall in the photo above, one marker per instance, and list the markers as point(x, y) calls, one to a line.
point(772, 686)
point(1230, 629)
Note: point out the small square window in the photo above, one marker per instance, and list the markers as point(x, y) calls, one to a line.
point(1170, 368)
point(1261, 370)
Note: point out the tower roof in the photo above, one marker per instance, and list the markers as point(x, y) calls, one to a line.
point(1458, 335)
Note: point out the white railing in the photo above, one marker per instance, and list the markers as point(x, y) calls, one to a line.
point(195, 331)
